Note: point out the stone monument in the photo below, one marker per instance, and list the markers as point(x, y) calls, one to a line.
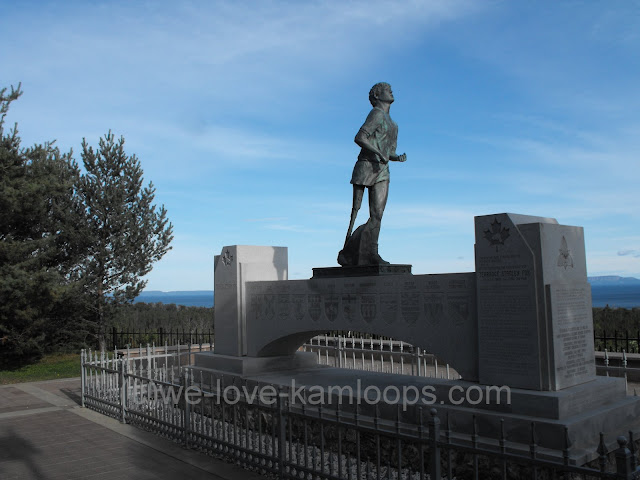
point(522, 320)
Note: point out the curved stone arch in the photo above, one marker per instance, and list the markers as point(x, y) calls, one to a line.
point(289, 344)
point(281, 316)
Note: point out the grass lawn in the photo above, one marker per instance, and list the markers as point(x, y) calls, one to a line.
point(50, 367)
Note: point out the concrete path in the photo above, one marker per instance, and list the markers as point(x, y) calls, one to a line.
point(44, 434)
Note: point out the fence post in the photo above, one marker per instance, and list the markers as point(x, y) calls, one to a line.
point(434, 448)
point(624, 470)
point(282, 442)
point(83, 376)
point(187, 413)
point(123, 390)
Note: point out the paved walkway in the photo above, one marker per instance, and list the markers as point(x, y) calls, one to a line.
point(44, 434)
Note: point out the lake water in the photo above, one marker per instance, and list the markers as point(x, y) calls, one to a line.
point(625, 296)
point(204, 299)
point(622, 296)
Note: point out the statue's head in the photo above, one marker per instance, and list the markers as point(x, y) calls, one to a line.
point(377, 91)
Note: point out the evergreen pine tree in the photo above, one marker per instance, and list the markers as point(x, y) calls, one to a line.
point(41, 241)
point(127, 232)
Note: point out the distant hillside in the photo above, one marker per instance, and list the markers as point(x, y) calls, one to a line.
point(613, 280)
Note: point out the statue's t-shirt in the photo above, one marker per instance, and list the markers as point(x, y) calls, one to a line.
point(383, 134)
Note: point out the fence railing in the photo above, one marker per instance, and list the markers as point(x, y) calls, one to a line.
point(377, 355)
point(617, 340)
point(137, 338)
point(262, 427)
point(613, 341)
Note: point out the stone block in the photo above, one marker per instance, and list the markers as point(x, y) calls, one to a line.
point(234, 267)
point(535, 327)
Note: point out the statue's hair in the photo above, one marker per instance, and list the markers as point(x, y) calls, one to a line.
point(376, 90)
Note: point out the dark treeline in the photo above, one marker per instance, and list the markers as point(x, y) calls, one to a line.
point(139, 317)
point(616, 329)
point(141, 324)
point(616, 319)
point(153, 316)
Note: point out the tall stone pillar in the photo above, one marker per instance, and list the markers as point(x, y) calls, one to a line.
point(233, 268)
point(535, 326)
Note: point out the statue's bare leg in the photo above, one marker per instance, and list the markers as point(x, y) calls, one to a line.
point(358, 192)
point(378, 195)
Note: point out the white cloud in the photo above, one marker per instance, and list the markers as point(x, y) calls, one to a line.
point(632, 253)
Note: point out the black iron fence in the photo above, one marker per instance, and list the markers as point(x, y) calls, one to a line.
point(220, 415)
point(610, 340)
point(117, 339)
point(617, 341)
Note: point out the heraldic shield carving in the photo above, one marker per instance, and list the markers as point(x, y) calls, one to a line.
point(410, 307)
point(458, 308)
point(349, 305)
point(434, 307)
point(269, 312)
point(368, 307)
point(283, 307)
point(299, 306)
point(264, 307)
point(389, 307)
point(314, 306)
point(331, 305)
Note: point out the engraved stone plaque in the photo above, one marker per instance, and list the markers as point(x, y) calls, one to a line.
point(507, 305)
point(573, 349)
point(534, 303)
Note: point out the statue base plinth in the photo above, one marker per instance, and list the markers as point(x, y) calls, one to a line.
point(361, 271)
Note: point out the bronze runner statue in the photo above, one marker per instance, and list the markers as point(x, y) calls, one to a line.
point(378, 139)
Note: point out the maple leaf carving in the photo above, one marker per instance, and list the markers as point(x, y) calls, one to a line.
point(497, 234)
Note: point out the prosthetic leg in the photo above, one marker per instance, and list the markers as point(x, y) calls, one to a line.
point(378, 194)
point(358, 191)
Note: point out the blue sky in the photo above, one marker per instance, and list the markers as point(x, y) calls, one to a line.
point(243, 115)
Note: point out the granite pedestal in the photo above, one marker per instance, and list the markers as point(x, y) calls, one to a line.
point(361, 271)
point(585, 411)
point(243, 366)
